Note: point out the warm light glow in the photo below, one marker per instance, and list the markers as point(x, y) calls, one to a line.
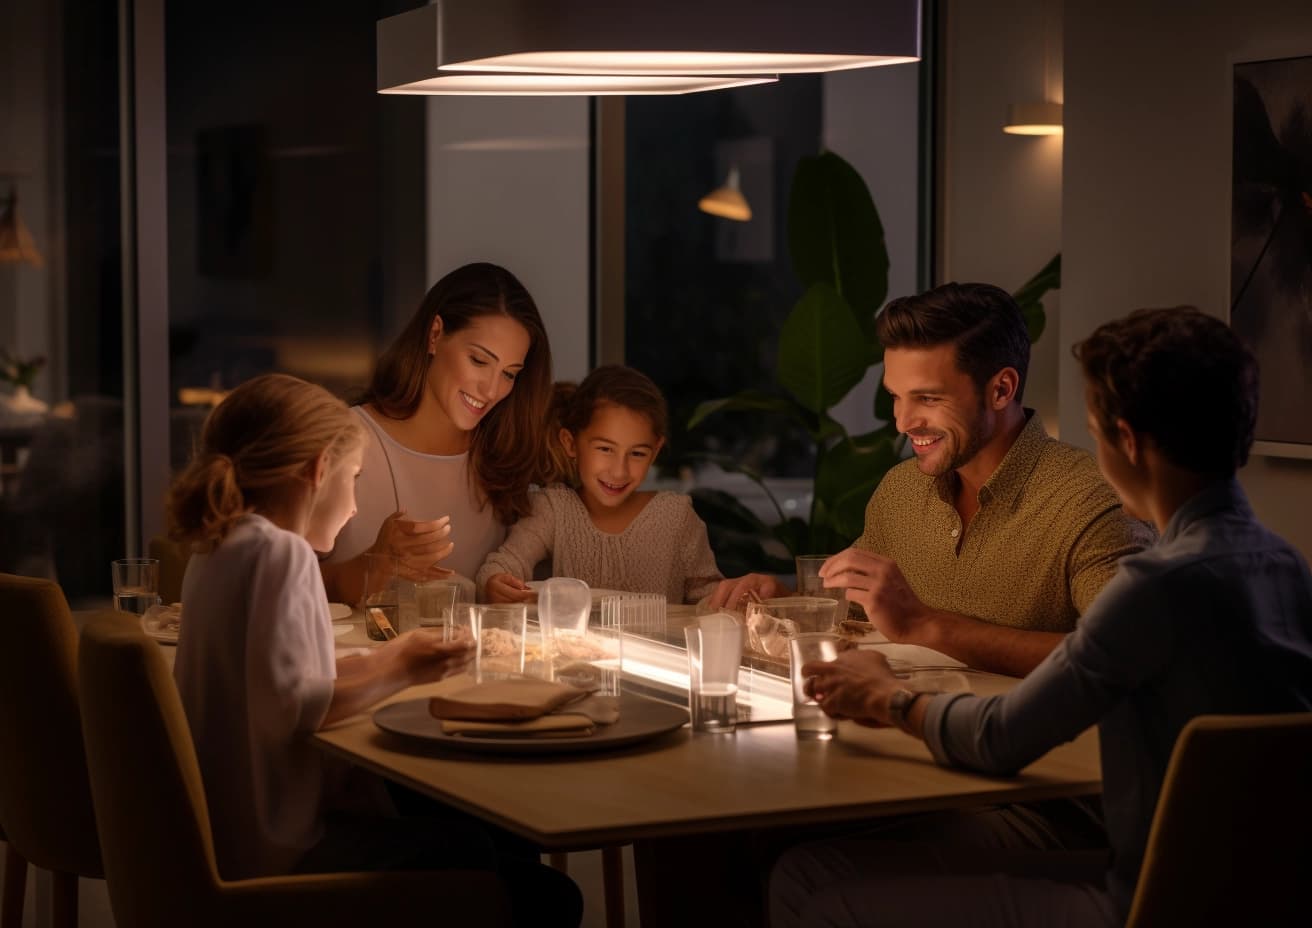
point(1034, 119)
point(727, 202)
point(512, 85)
point(1033, 129)
point(672, 62)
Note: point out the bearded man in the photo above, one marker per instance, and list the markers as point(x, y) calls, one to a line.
point(989, 542)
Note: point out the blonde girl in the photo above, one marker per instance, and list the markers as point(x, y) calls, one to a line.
point(272, 480)
point(601, 528)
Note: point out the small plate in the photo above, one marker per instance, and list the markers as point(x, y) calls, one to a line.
point(339, 611)
point(340, 630)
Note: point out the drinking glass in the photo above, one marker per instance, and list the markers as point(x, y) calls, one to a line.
point(809, 719)
point(807, 613)
point(136, 584)
point(715, 651)
point(499, 635)
point(809, 582)
point(563, 607)
point(433, 602)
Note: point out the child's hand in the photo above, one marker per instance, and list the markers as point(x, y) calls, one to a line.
point(417, 546)
point(507, 588)
point(425, 657)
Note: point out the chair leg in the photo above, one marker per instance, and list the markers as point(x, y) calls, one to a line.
point(63, 905)
point(11, 911)
point(559, 861)
point(612, 880)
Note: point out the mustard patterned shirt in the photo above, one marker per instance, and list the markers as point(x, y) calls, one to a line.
point(1046, 540)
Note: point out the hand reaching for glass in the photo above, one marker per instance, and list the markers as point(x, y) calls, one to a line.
point(417, 546)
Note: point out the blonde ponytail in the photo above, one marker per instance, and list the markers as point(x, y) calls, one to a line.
point(253, 446)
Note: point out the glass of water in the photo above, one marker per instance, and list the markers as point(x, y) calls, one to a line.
point(136, 584)
point(808, 718)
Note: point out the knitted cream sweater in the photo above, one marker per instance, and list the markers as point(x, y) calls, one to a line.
point(664, 549)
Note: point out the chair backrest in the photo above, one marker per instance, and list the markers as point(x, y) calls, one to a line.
point(146, 781)
point(1231, 841)
point(45, 799)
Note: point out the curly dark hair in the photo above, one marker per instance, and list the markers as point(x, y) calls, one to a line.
point(1180, 376)
point(981, 321)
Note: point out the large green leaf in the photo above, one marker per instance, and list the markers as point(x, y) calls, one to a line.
point(848, 475)
point(1030, 297)
point(822, 351)
point(723, 509)
point(835, 236)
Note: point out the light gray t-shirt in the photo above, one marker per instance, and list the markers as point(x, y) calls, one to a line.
point(426, 486)
point(255, 669)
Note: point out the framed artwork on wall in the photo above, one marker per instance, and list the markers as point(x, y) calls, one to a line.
point(1271, 242)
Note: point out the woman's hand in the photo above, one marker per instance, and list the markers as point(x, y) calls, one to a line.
point(507, 588)
point(856, 686)
point(417, 546)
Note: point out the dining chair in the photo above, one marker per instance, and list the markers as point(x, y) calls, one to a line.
point(155, 826)
point(11, 909)
point(45, 799)
point(1230, 840)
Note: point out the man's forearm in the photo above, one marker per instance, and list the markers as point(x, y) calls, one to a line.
point(985, 646)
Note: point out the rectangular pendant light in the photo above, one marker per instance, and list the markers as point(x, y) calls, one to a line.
point(716, 40)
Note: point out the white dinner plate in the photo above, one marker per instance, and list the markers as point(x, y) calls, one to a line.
point(339, 611)
point(340, 630)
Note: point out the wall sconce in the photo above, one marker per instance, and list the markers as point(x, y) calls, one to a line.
point(727, 201)
point(1034, 119)
point(16, 244)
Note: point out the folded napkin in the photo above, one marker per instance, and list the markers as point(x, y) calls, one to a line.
point(498, 710)
point(566, 725)
point(513, 699)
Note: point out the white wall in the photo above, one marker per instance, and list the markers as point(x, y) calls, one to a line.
point(1146, 209)
point(871, 118)
point(1000, 220)
point(508, 183)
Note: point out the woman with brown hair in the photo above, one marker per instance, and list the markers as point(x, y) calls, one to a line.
point(455, 423)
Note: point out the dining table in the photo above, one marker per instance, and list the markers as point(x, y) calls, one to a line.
point(684, 783)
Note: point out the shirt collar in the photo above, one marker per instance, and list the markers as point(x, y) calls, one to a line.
point(1224, 494)
point(1005, 483)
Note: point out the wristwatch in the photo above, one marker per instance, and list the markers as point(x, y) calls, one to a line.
point(899, 707)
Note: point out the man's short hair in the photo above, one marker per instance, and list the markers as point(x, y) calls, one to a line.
point(1180, 376)
point(981, 321)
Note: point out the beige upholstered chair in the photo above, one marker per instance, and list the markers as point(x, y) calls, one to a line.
point(11, 910)
point(45, 800)
point(1231, 843)
point(155, 826)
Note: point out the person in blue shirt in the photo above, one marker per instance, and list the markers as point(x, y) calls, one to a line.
point(1215, 618)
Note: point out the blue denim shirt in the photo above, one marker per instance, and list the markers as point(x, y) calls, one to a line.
point(1215, 618)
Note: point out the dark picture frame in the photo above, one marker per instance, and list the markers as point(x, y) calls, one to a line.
point(1271, 242)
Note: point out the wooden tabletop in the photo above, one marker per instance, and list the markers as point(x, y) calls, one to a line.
point(689, 783)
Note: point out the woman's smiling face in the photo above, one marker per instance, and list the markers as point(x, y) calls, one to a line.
point(472, 370)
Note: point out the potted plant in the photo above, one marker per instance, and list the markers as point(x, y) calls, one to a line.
point(826, 347)
point(20, 373)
